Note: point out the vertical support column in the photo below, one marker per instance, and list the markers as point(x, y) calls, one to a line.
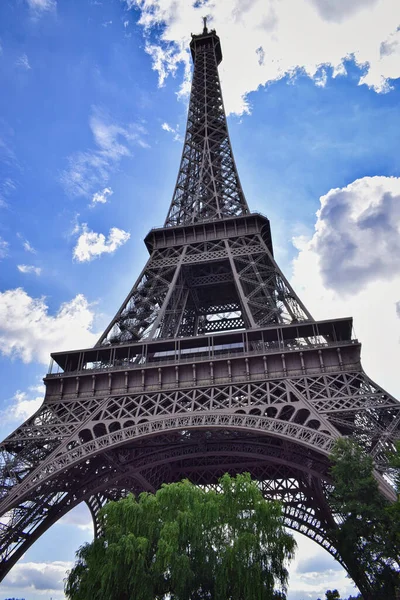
point(143, 372)
point(243, 300)
point(265, 367)
point(126, 381)
point(161, 312)
point(289, 292)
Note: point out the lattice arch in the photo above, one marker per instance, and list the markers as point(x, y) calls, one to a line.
point(200, 454)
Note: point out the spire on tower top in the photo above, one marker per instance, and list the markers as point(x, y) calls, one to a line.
point(205, 30)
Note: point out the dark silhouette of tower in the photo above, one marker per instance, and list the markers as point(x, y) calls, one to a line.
point(212, 364)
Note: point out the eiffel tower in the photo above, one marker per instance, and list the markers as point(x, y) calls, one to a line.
point(211, 365)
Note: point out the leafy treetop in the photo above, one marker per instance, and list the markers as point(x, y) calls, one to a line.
point(185, 542)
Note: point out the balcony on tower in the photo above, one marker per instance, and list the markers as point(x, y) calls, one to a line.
point(306, 338)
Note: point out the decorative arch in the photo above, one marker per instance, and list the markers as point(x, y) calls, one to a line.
point(75, 451)
point(285, 468)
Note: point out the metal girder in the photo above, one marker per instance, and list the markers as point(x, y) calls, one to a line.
point(208, 185)
point(168, 300)
point(297, 420)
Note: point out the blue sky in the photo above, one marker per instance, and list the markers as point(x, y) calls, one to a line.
point(92, 113)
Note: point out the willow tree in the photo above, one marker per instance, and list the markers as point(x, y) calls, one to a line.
point(185, 542)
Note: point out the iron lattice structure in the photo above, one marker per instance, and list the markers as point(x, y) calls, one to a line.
point(212, 364)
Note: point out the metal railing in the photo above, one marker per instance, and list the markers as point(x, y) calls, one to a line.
point(207, 356)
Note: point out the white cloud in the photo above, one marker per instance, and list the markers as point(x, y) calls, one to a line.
point(167, 127)
point(38, 6)
point(317, 564)
point(8, 157)
point(167, 59)
point(80, 517)
point(351, 267)
point(261, 55)
point(91, 245)
point(262, 40)
point(321, 78)
point(175, 132)
point(24, 405)
point(357, 237)
point(20, 407)
point(28, 247)
point(90, 168)
point(23, 62)
point(26, 244)
point(3, 248)
point(391, 45)
point(29, 269)
point(314, 570)
point(8, 185)
point(385, 67)
point(107, 23)
point(339, 10)
point(101, 197)
point(126, 23)
point(41, 577)
point(29, 332)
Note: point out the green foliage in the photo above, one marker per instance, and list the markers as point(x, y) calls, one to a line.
point(394, 509)
point(332, 595)
point(185, 543)
point(368, 536)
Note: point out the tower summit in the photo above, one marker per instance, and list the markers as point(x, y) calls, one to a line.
point(211, 364)
point(208, 185)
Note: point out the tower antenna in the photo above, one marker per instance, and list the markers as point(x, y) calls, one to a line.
point(205, 30)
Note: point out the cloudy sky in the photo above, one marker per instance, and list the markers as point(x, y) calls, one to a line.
point(92, 113)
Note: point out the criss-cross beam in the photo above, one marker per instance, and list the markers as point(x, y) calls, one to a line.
point(285, 470)
point(208, 185)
